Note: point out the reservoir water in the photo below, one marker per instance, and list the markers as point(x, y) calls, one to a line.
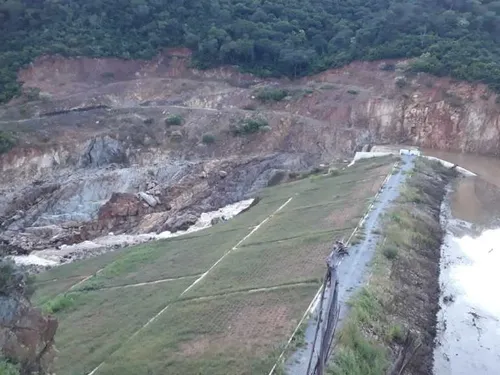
point(468, 335)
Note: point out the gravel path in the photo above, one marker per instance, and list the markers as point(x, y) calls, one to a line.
point(352, 269)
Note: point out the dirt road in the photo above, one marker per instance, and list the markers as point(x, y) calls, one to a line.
point(352, 269)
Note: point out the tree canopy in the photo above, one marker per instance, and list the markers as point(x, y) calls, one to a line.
point(460, 38)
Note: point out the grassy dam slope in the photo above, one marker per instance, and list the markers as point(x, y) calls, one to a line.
point(221, 301)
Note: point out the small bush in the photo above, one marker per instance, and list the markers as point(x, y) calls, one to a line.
point(268, 94)
point(249, 126)
point(208, 139)
point(92, 284)
point(149, 121)
point(7, 368)
point(13, 280)
point(6, 142)
point(174, 120)
point(59, 303)
point(411, 194)
point(390, 253)
point(395, 333)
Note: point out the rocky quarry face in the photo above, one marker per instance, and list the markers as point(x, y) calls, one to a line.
point(147, 146)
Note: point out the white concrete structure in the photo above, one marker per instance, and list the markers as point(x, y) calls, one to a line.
point(447, 164)
point(368, 155)
point(412, 152)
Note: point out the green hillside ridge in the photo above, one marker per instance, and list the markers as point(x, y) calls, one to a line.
point(279, 37)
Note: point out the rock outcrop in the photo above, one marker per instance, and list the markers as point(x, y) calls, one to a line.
point(103, 151)
point(26, 335)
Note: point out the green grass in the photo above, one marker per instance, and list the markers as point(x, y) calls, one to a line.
point(59, 303)
point(47, 290)
point(245, 331)
point(268, 264)
point(82, 268)
point(358, 355)
point(99, 322)
point(242, 336)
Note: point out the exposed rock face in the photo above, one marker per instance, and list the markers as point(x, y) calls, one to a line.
point(103, 151)
point(113, 165)
point(26, 336)
point(362, 102)
point(120, 205)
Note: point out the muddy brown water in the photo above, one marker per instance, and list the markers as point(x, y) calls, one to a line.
point(475, 199)
point(468, 335)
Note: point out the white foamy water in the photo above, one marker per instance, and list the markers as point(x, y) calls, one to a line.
point(481, 272)
point(52, 257)
point(31, 259)
point(468, 337)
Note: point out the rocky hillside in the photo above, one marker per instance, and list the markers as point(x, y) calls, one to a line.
point(26, 335)
point(108, 145)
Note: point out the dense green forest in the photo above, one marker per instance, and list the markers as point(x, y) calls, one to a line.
point(460, 38)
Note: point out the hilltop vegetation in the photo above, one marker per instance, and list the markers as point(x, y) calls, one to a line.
point(269, 37)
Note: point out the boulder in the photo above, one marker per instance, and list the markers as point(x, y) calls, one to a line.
point(182, 222)
point(149, 199)
point(218, 219)
point(222, 174)
point(215, 220)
